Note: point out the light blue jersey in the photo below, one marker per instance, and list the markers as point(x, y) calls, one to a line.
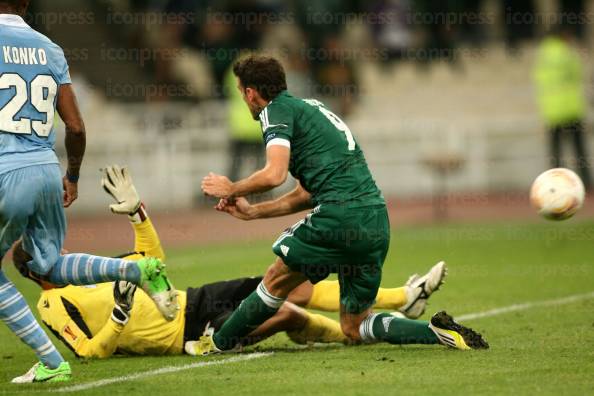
point(32, 68)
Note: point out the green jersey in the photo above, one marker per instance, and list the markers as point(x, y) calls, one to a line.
point(325, 157)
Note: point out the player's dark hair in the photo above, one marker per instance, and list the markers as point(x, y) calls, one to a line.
point(262, 73)
point(20, 258)
point(13, 3)
point(14, 6)
point(20, 262)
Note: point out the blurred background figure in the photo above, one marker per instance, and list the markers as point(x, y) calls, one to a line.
point(517, 31)
point(560, 83)
point(396, 37)
point(414, 80)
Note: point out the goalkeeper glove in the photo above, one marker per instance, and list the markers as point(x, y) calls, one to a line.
point(117, 182)
point(123, 295)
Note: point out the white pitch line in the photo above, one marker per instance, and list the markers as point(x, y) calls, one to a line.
point(174, 369)
point(525, 306)
point(163, 370)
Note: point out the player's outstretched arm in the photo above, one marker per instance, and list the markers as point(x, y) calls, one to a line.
point(272, 175)
point(295, 201)
point(118, 183)
point(76, 140)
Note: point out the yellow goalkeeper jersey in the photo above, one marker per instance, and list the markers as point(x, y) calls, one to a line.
point(80, 316)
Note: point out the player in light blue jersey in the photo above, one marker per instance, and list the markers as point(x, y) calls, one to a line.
point(34, 84)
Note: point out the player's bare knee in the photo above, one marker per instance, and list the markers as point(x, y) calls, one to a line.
point(280, 280)
point(272, 281)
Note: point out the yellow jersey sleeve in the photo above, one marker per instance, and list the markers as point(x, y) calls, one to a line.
point(63, 318)
point(146, 240)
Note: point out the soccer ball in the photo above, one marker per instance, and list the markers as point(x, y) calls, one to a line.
point(557, 194)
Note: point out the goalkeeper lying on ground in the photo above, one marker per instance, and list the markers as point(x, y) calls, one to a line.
point(100, 320)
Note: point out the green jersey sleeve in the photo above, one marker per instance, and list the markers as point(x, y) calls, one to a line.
point(277, 124)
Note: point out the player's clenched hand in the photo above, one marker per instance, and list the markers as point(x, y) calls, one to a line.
point(217, 186)
point(70, 192)
point(236, 207)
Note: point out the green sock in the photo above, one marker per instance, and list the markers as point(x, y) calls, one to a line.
point(385, 327)
point(251, 313)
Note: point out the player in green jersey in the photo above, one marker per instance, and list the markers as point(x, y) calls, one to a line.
point(347, 231)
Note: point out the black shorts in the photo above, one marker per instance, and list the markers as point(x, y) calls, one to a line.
point(211, 305)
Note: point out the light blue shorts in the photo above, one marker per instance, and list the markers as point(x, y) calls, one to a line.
point(31, 207)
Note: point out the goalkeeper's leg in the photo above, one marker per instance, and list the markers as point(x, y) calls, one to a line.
point(301, 327)
point(318, 328)
point(289, 317)
point(259, 306)
point(410, 299)
point(256, 309)
point(325, 296)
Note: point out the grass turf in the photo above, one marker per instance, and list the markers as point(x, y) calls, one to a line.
point(541, 350)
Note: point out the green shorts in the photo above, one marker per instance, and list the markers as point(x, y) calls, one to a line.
point(349, 241)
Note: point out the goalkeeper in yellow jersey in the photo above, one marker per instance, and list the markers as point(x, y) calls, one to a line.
point(112, 318)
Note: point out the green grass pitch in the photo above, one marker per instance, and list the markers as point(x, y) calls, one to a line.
point(543, 350)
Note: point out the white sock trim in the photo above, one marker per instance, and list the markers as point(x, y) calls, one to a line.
point(6, 287)
point(366, 328)
point(18, 315)
point(10, 301)
point(30, 328)
point(45, 349)
point(269, 299)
